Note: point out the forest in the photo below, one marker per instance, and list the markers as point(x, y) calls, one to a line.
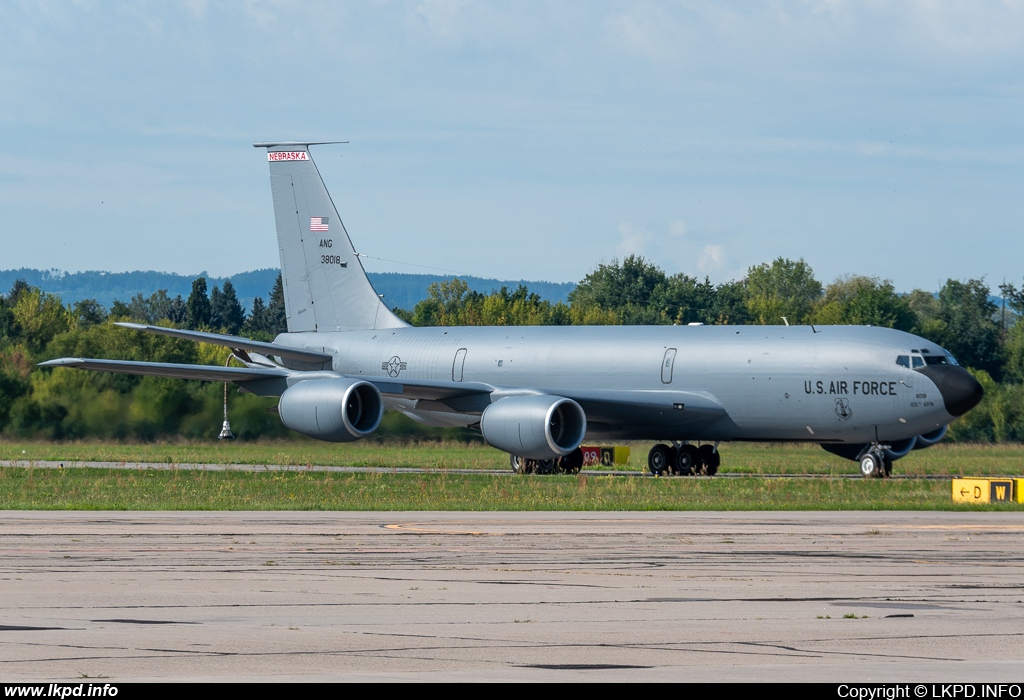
point(979, 329)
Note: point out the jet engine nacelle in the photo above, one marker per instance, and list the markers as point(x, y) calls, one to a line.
point(534, 427)
point(337, 410)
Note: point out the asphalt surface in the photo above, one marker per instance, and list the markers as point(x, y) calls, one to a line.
point(879, 596)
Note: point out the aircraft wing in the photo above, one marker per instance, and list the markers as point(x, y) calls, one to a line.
point(622, 405)
point(605, 409)
point(691, 408)
point(654, 412)
point(470, 397)
point(234, 342)
point(436, 395)
point(208, 373)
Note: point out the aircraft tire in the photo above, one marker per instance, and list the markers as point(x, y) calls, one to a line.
point(870, 465)
point(544, 466)
point(520, 465)
point(659, 459)
point(687, 460)
point(571, 463)
point(886, 470)
point(710, 459)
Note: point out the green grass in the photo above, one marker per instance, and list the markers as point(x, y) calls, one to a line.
point(772, 459)
point(294, 453)
point(173, 489)
point(442, 489)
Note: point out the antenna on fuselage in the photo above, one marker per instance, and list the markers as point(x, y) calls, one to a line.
point(785, 321)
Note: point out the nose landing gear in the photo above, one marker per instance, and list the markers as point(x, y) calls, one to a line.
point(875, 462)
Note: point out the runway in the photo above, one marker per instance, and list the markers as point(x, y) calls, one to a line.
point(834, 596)
point(260, 468)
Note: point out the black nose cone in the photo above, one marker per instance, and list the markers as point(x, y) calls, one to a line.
point(960, 391)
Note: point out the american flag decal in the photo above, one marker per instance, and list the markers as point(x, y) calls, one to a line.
point(318, 223)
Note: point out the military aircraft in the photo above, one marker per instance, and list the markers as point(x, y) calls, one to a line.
point(866, 394)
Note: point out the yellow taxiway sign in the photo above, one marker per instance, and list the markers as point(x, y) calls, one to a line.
point(985, 490)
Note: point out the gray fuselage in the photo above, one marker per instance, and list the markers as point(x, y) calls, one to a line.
point(792, 383)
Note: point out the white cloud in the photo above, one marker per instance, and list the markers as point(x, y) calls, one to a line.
point(712, 258)
point(634, 240)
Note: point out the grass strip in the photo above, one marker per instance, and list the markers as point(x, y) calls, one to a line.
point(744, 458)
point(119, 489)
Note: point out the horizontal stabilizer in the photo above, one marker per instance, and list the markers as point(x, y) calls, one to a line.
point(271, 144)
point(234, 342)
point(207, 373)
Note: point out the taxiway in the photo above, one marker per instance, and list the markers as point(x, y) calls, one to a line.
point(847, 596)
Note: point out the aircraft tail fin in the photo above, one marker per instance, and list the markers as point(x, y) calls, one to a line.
point(325, 286)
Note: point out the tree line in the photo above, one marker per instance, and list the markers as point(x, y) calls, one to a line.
point(35, 326)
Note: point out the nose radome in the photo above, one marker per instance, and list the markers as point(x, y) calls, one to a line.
point(960, 391)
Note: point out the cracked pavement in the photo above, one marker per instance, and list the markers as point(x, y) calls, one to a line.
point(815, 596)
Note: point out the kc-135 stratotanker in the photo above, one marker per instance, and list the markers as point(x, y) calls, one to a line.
point(866, 394)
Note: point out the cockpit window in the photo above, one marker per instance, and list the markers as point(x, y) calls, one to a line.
point(903, 361)
point(918, 361)
point(936, 360)
point(952, 360)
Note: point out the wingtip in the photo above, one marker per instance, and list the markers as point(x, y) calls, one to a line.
point(62, 362)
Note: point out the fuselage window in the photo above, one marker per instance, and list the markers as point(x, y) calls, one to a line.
point(903, 361)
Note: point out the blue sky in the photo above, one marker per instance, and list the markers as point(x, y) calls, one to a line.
point(526, 140)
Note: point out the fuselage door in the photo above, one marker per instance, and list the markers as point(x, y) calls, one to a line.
point(666, 366)
point(460, 360)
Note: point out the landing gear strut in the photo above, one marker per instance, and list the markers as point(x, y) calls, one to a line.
point(875, 462)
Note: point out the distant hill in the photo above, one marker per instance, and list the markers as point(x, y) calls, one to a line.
point(399, 289)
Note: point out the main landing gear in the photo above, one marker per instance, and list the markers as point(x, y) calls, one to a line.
point(875, 462)
point(684, 459)
point(569, 464)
